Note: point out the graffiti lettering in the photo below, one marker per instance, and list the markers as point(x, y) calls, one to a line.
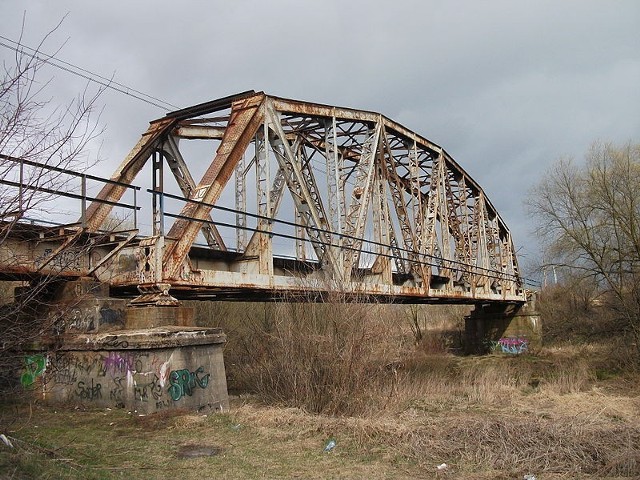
point(89, 392)
point(110, 316)
point(513, 345)
point(117, 392)
point(64, 260)
point(90, 364)
point(34, 366)
point(40, 259)
point(63, 370)
point(184, 382)
point(117, 363)
point(161, 369)
point(113, 342)
point(153, 389)
point(82, 322)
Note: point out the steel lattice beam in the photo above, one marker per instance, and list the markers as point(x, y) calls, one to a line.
point(344, 199)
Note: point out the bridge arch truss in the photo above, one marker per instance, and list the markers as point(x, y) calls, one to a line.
point(300, 198)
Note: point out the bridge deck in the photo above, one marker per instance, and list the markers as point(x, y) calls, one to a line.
point(24, 252)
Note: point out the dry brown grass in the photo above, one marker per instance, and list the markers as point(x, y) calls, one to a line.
point(325, 357)
point(357, 373)
point(486, 417)
point(500, 444)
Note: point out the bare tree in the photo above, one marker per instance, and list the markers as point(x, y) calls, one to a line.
point(35, 127)
point(589, 217)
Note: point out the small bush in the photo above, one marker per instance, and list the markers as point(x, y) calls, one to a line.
point(325, 358)
point(332, 357)
point(577, 317)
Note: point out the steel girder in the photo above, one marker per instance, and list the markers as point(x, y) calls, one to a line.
point(352, 201)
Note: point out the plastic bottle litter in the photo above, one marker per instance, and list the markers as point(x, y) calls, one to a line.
point(528, 476)
point(442, 466)
point(331, 444)
point(6, 441)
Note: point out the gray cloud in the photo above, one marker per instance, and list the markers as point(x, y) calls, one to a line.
point(506, 87)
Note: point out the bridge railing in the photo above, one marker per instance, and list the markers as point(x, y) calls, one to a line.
point(28, 182)
point(34, 186)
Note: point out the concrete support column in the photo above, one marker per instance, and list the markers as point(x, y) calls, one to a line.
point(106, 353)
point(510, 329)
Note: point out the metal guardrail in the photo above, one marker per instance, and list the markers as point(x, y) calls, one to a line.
point(82, 196)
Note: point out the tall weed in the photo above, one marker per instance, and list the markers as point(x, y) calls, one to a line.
point(326, 357)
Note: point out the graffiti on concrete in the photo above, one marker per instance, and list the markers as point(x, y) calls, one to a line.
point(110, 316)
point(117, 391)
point(513, 345)
point(133, 378)
point(161, 369)
point(84, 391)
point(34, 366)
point(67, 369)
point(62, 370)
point(184, 382)
point(116, 362)
point(82, 321)
point(114, 342)
point(91, 319)
point(151, 390)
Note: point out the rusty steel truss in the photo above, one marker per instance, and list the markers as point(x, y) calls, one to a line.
point(304, 199)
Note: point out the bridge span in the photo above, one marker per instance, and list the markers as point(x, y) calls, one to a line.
point(295, 200)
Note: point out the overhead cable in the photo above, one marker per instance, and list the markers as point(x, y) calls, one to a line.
point(106, 82)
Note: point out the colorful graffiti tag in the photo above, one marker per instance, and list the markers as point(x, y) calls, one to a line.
point(183, 382)
point(136, 379)
point(513, 345)
point(34, 366)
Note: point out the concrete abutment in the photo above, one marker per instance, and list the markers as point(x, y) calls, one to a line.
point(507, 328)
point(106, 353)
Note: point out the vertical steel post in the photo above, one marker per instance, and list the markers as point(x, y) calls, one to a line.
point(83, 189)
point(241, 204)
point(263, 177)
point(135, 208)
point(158, 197)
point(301, 251)
point(21, 190)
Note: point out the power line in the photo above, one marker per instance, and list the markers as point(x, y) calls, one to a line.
point(488, 272)
point(86, 74)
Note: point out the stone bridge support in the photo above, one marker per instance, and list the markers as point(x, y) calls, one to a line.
point(106, 353)
point(507, 328)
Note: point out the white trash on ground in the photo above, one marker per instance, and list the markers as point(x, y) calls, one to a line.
point(6, 441)
point(331, 444)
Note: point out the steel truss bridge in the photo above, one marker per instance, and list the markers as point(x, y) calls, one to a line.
point(301, 200)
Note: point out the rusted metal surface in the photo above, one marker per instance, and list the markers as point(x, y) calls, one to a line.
point(331, 198)
point(127, 171)
point(245, 119)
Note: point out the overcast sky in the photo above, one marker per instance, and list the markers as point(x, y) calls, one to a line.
point(506, 87)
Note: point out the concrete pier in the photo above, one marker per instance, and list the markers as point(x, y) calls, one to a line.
point(107, 354)
point(498, 328)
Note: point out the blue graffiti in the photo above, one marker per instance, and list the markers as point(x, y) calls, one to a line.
point(513, 345)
